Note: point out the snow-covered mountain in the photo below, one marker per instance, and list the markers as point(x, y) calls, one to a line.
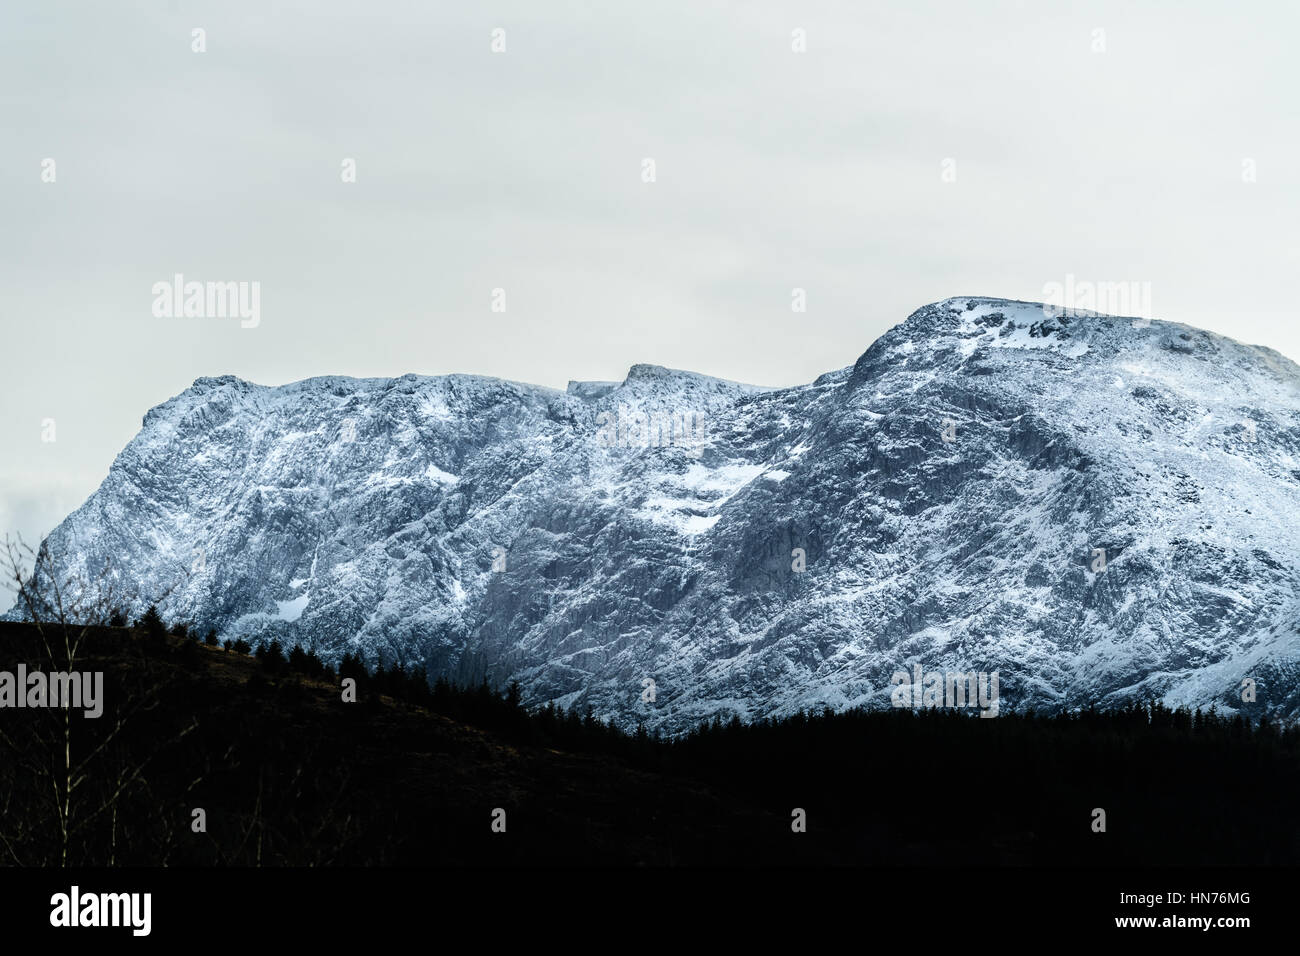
point(951, 493)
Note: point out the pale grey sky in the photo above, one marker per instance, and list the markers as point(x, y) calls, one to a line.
point(1117, 156)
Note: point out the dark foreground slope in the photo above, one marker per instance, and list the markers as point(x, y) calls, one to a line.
point(288, 774)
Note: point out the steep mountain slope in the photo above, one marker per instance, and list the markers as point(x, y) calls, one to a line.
point(952, 494)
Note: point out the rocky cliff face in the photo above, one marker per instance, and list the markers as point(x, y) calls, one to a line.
point(1096, 508)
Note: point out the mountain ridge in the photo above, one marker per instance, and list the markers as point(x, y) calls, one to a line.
point(949, 492)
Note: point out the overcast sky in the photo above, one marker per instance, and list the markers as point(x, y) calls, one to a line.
point(913, 151)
